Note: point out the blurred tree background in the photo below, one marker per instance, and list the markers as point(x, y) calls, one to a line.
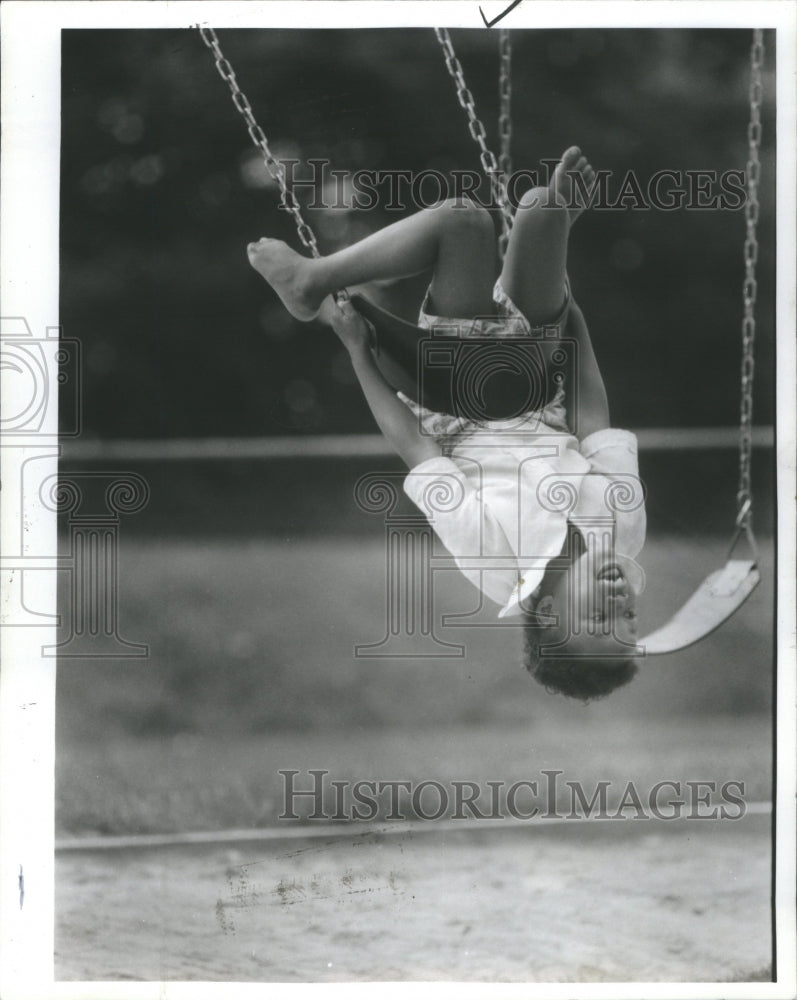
point(161, 191)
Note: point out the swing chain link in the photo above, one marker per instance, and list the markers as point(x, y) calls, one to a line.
point(750, 286)
point(487, 158)
point(258, 137)
point(505, 132)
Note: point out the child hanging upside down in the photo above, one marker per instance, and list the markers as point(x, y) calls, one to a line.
point(549, 511)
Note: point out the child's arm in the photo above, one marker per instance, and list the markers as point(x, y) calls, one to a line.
point(592, 407)
point(396, 421)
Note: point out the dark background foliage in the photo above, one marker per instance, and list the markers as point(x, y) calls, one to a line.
point(161, 191)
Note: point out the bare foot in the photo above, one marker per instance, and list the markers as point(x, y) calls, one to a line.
point(563, 188)
point(290, 275)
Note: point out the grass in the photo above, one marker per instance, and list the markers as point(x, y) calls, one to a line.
point(257, 636)
point(201, 782)
point(251, 670)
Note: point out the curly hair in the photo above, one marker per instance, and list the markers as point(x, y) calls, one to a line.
point(578, 677)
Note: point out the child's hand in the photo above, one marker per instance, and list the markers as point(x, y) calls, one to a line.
point(350, 326)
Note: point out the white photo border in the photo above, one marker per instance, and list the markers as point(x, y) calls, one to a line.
point(29, 250)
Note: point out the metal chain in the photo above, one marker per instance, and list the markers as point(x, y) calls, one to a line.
point(475, 126)
point(496, 173)
point(750, 287)
point(505, 130)
point(256, 134)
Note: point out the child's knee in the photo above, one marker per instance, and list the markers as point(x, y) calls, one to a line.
point(541, 203)
point(468, 217)
point(535, 197)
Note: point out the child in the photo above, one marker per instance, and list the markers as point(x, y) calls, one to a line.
point(535, 522)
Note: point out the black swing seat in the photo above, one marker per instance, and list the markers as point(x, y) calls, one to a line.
point(394, 341)
point(718, 597)
point(381, 319)
point(501, 383)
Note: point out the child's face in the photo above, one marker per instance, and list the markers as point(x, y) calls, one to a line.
point(595, 605)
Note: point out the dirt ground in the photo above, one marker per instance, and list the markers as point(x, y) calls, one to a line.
point(582, 902)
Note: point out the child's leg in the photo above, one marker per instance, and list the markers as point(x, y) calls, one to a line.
point(534, 270)
point(534, 275)
point(457, 241)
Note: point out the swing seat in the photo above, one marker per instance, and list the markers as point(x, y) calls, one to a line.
point(505, 390)
point(381, 319)
point(403, 336)
point(718, 597)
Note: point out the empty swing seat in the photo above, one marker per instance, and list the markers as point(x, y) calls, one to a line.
point(717, 598)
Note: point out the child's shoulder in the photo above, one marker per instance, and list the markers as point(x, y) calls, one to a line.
point(608, 439)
